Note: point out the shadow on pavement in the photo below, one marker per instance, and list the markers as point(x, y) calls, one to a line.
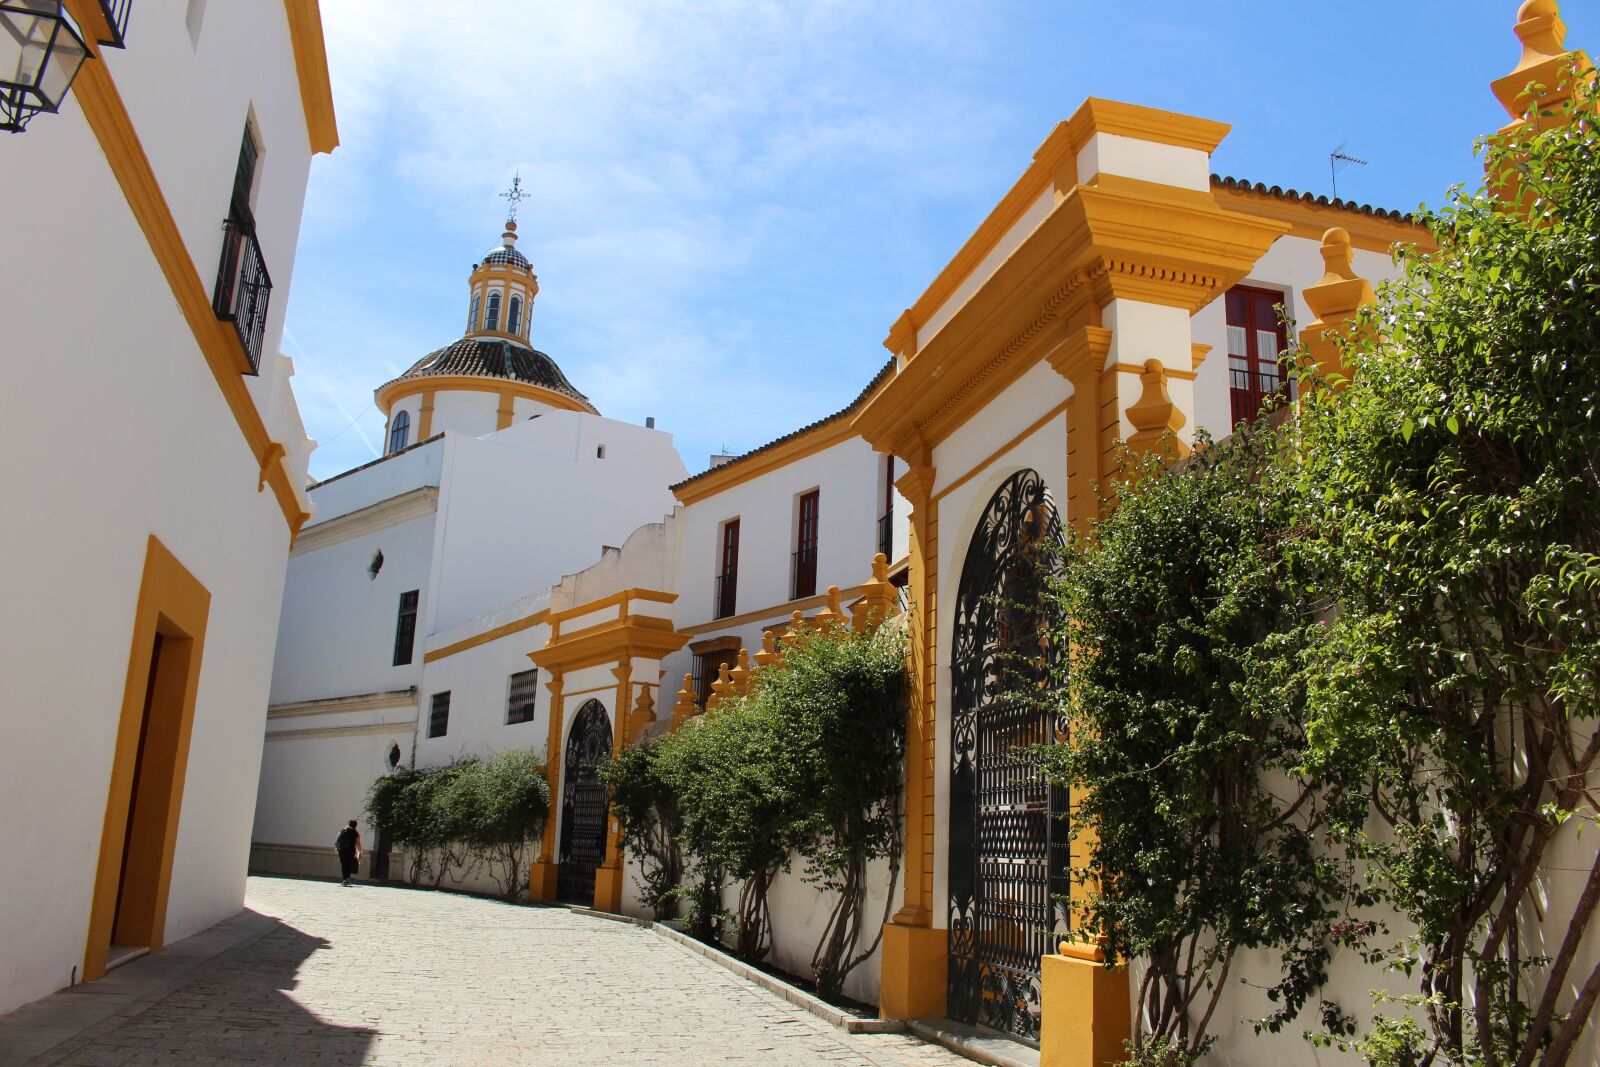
point(228, 1005)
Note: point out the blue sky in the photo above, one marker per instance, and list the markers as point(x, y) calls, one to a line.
point(731, 201)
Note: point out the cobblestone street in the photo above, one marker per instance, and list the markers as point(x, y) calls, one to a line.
point(377, 975)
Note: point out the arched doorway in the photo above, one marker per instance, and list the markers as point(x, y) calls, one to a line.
point(1008, 854)
point(583, 805)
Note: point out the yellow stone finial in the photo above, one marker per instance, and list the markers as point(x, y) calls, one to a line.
point(740, 675)
point(1335, 299)
point(1155, 414)
point(685, 707)
point(1545, 61)
point(880, 567)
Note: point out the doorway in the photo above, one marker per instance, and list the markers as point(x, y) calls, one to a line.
point(128, 913)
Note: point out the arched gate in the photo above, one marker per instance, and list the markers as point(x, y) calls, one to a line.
point(583, 805)
point(1008, 849)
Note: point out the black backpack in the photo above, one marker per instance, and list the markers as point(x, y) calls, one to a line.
point(346, 841)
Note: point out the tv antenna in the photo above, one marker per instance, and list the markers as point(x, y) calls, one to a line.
point(1336, 157)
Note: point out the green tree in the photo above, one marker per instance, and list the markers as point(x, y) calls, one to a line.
point(647, 809)
point(1455, 496)
point(1186, 623)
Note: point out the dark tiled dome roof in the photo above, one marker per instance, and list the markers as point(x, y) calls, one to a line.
point(503, 254)
point(492, 358)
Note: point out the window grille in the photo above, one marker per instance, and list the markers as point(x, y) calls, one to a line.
point(405, 628)
point(1256, 341)
point(439, 715)
point(523, 690)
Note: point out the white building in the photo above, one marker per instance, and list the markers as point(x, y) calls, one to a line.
point(156, 485)
point(500, 477)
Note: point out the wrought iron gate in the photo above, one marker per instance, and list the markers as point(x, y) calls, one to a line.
point(1008, 851)
point(583, 805)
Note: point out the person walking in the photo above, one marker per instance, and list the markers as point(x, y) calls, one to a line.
point(348, 845)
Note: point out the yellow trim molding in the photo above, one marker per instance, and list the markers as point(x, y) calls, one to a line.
point(311, 67)
point(140, 833)
point(987, 461)
point(527, 622)
point(785, 609)
point(108, 117)
point(620, 599)
point(616, 640)
point(429, 385)
point(748, 468)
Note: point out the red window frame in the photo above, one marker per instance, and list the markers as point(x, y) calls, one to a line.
point(1253, 373)
point(728, 570)
point(805, 554)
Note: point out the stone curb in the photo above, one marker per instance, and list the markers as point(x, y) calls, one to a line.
point(981, 1046)
point(850, 1024)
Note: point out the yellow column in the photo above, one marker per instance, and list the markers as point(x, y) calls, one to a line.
point(503, 416)
point(608, 876)
point(425, 417)
point(915, 951)
point(542, 874)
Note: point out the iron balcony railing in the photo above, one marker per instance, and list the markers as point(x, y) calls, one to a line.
point(726, 591)
point(803, 573)
point(243, 287)
point(116, 15)
point(886, 535)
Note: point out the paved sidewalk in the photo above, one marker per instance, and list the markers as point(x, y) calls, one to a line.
point(312, 973)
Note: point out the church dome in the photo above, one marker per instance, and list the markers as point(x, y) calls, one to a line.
point(493, 358)
point(505, 255)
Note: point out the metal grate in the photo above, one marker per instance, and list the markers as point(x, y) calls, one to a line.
point(243, 288)
point(439, 715)
point(583, 805)
point(1008, 853)
point(523, 692)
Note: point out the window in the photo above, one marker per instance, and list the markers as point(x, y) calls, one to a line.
point(492, 319)
point(600, 452)
point(886, 519)
point(726, 592)
point(477, 305)
point(439, 715)
point(405, 628)
point(243, 283)
point(1256, 339)
point(803, 580)
point(707, 667)
point(399, 432)
point(514, 316)
point(519, 703)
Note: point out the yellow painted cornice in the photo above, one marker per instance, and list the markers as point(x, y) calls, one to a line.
point(752, 466)
point(1054, 165)
point(108, 117)
point(1145, 124)
point(1310, 219)
point(311, 66)
point(1117, 237)
point(620, 600)
point(527, 622)
point(608, 642)
point(387, 394)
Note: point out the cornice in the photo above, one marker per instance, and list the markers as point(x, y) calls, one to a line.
point(414, 504)
point(388, 393)
point(721, 479)
point(393, 698)
point(1309, 219)
point(311, 67)
point(607, 642)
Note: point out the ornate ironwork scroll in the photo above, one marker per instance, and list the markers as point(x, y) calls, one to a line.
point(1008, 853)
point(583, 805)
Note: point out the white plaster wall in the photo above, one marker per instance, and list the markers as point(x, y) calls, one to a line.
point(190, 103)
point(849, 476)
point(152, 449)
point(378, 481)
point(532, 503)
point(1008, 243)
point(1289, 266)
point(1151, 161)
point(412, 406)
point(324, 782)
point(478, 680)
point(465, 411)
point(337, 628)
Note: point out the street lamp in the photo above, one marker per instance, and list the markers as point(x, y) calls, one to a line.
point(40, 53)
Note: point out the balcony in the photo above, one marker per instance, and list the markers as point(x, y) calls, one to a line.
point(724, 594)
point(803, 573)
point(108, 21)
point(886, 535)
point(243, 287)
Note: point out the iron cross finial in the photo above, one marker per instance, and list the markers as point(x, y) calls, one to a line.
point(515, 196)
